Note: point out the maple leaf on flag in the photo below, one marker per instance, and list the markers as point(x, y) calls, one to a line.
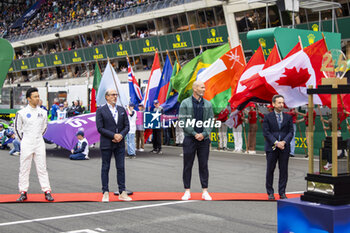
point(294, 78)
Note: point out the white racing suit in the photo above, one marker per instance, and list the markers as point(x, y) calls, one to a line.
point(30, 126)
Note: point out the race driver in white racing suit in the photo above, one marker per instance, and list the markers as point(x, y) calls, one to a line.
point(30, 126)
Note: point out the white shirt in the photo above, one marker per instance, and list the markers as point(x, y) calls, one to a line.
point(114, 112)
point(281, 114)
point(132, 121)
point(80, 143)
point(31, 123)
point(61, 115)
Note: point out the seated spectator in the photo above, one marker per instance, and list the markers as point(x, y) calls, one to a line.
point(4, 145)
point(16, 144)
point(81, 149)
point(2, 133)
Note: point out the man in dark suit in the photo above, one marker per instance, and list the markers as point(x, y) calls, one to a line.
point(278, 132)
point(113, 125)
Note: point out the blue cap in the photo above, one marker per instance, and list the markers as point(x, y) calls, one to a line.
point(61, 105)
point(132, 105)
point(1, 125)
point(80, 132)
point(155, 102)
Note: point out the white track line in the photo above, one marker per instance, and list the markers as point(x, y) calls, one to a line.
point(91, 213)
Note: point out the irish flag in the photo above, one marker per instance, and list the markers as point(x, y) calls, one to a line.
point(221, 78)
point(183, 81)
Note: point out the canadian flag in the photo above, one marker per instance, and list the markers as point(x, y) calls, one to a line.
point(291, 77)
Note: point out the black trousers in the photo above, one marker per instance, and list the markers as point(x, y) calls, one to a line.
point(190, 147)
point(272, 158)
point(119, 155)
point(157, 139)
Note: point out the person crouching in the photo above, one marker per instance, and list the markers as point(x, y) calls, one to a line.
point(81, 149)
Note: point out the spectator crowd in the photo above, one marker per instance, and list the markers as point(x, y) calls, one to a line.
point(55, 14)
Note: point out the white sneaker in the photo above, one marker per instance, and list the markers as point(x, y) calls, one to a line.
point(141, 150)
point(16, 153)
point(105, 197)
point(186, 196)
point(206, 196)
point(328, 166)
point(124, 196)
point(181, 155)
point(252, 152)
point(87, 157)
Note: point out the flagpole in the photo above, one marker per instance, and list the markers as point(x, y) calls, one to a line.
point(279, 55)
point(322, 120)
point(115, 83)
point(127, 58)
point(301, 43)
point(325, 41)
point(167, 53)
point(98, 65)
point(177, 59)
point(229, 42)
point(245, 60)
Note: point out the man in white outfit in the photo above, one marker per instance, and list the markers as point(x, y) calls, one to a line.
point(30, 126)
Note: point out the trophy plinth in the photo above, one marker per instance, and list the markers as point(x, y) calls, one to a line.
point(330, 184)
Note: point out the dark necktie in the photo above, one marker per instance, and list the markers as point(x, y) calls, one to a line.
point(279, 120)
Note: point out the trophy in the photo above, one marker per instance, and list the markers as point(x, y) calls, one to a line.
point(330, 184)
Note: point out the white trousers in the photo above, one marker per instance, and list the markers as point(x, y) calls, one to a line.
point(223, 135)
point(237, 135)
point(33, 150)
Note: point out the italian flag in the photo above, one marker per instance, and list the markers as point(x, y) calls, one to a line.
point(95, 85)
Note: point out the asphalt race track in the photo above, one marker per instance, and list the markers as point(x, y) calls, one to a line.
point(229, 172)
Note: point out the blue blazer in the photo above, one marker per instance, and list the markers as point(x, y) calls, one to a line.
point(107, 127)
point(272, 132)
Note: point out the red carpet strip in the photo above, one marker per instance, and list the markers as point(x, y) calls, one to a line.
point(140, 196)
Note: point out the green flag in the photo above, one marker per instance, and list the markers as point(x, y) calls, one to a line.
point(97, 78)
point(6, 58)
point(183, 81)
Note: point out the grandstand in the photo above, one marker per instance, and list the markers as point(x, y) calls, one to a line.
point(57, 42)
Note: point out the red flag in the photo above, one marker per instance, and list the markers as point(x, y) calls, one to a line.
point(93, 105)
point(255, 64)
point(255, 81)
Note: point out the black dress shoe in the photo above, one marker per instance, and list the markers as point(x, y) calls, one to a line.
point(283, 196)
point(271, 197)
point(23, 197)
point(291, 155)
point(48, 196)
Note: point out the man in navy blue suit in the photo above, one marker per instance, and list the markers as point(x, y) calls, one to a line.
point(113, 125)
point(278, 132)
